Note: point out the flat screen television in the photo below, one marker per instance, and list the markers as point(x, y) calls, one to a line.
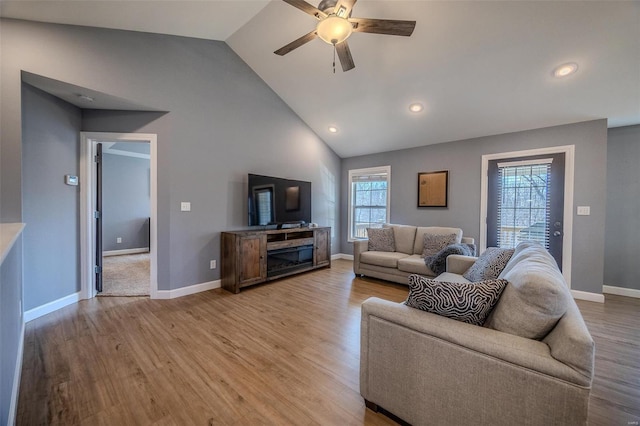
point(278, 201)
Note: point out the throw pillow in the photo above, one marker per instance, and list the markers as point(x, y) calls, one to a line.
point(489, 265)
point(433, 243)
point(438, 262)
point(466, 302)
point(381, 239)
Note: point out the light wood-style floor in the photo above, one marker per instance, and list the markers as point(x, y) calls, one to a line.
point(282, 353)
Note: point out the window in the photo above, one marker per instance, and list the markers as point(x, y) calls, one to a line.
point(369, 200)
point(524, 202)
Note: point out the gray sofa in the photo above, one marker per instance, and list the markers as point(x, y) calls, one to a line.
point(432, 370)
point(406, 260)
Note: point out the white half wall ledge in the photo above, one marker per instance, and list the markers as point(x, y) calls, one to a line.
point(621, 291)
point(585, 295)
point(185, 291)
point(47, 308)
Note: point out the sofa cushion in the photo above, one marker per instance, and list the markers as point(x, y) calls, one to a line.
point(489, 265)
point(381, 258)
point(414, 264)
point(404, 237)
point(381, 239)
point(418, 246)
point(466, 302)
point(438, 262)
point(537, 296)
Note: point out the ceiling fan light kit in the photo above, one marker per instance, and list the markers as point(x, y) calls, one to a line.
point(336, 25)
point(334, 30)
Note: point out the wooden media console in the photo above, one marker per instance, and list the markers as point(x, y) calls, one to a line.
point(254, 257)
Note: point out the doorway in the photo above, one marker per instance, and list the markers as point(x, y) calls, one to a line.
point(93, 270)
point(528, 196)
point(125, 197)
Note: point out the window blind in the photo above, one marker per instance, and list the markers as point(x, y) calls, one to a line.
point(524, 202)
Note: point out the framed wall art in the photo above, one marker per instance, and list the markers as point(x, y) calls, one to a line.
point(433, 189)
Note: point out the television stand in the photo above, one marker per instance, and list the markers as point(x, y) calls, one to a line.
point(254, 257)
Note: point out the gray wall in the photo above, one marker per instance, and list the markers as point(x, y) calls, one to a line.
point(50, 150)
point(10, 324)
point(463, 159)
point(125, 202)
point(223, 122)
point(622, 234)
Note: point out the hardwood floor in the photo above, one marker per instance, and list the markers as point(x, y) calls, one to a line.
point(282, 353)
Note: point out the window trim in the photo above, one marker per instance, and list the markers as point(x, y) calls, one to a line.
point(361, 172)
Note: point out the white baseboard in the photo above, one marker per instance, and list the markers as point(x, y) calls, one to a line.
point(47, 308)
point(125, 251)
point(13, 405)
point(585, 295)
point(185, 291)
point(621, 291)
point(342, 256)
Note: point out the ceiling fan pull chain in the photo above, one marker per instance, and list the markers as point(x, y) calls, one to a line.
point(334, 58)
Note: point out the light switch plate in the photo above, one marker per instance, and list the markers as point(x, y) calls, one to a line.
point(584, 210)
point(185, 206)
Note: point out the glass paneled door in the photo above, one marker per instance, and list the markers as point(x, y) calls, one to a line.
point(526, 202)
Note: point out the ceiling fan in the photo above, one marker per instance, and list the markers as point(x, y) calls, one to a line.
point(335, 25)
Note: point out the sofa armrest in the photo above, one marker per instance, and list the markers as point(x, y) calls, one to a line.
point(359, 246)
point(468, 240)
point(458, 264)
point(526, 353)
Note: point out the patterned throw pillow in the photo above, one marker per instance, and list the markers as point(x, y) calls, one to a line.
point(489, 265)
point(381, 239)
point(467, 302)
point(438, 262)
point(433, 243)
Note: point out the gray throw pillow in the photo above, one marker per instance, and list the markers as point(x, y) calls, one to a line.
point(467, 302)
point(381, 239)
point(438, 262)
point(489, 265)
point(433, 243)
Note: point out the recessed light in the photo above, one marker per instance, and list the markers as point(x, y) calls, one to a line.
point(333, 129)
point(85, 98)
point(565, 69)
point(416, 107)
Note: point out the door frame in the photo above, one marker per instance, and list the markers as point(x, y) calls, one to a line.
point(569, 158)
point(88, 142)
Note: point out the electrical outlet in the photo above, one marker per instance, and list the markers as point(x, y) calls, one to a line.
point(119, 240)
point(213, 264)
point(185, 206)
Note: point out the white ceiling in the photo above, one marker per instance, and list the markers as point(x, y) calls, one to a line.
point(480, 67)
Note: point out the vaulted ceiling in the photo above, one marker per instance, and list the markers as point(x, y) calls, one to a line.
point(478, 67)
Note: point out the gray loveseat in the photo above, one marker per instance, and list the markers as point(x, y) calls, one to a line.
point(432, 370)
point(405, 260)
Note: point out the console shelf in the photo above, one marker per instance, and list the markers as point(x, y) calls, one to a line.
point(253, 257)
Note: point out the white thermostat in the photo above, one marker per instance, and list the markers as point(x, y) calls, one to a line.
point(71, 180)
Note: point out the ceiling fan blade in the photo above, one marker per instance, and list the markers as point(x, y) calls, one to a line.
point(347, 4)
point(307, 8)
point(344, 53)
point(383, 26)
point(296, 43)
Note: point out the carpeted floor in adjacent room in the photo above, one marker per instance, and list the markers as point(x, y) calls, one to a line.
point(126, 275)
